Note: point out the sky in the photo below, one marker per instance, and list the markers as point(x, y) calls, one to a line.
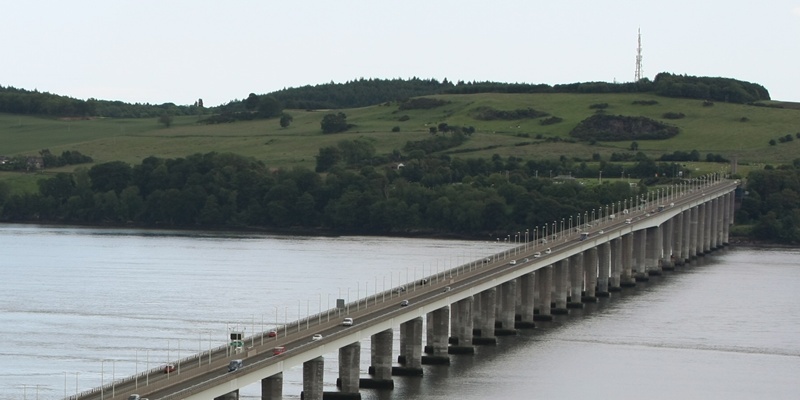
point(179, 51)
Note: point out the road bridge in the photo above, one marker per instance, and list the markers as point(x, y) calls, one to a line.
point(552, 270)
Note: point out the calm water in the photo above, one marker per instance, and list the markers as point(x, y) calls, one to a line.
point(81, 306)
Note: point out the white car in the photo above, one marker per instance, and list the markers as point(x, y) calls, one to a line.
point(347, 322)
point(513, 262)
point(537, 254)
point(316, 337)
point(548, 251)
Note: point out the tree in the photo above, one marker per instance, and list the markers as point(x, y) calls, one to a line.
point(268, 107)
point(327, 158)
point(252, 102)
point(334, 123)
point(165, 119)
point(286, 120)
point(634, 146)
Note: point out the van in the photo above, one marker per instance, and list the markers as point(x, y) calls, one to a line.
point(234, 365)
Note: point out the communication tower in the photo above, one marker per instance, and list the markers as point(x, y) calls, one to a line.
point(639, 58)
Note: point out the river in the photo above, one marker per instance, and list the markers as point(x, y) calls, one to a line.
point(81, 306)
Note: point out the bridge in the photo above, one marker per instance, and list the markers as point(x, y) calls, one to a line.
point(548, 272)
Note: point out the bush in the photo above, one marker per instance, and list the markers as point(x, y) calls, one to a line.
point(644, 102)
point(708, 103)
point(598, 106)
point(404, 118)
point(672, 115)
point(396, 129)
point(550, 121)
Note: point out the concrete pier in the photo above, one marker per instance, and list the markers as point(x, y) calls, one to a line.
point(527, 294)
point(438, 329)
point(272, 387)
point(560, 275)
point(410, 348)
point(381, 360)
point(349, 368)
point(603, 269)
point(615, 279)
point(640, 255)
point(487, 319)
point(507, 309)
point(312, 378)
point(575, 281)
point(589, 272)
point(627, 279)
point(544, 283)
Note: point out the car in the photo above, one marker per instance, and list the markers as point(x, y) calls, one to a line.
point(526, 260)
point(134, 397)
point(272, 334)
point(316, 337)
point(544, 241)
point(513, 262)
point(601, 232)
point(548, 251)
point(423, 281)
point(169, 368)
point(404, 303)
point(537, 254)
point(446, 289)
point(235, 365)
point(628, 221)
point(276, 351)
point(347, 322)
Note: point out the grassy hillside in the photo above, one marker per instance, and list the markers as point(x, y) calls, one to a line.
point(715, 129)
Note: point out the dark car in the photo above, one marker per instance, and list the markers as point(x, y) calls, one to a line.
point(234, 365)
point(403, 303)
point(169, 368)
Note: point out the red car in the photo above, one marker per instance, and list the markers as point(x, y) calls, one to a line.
point(169, 368)
point(272, 334)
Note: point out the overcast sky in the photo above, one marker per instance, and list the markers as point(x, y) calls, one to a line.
point(177, 51)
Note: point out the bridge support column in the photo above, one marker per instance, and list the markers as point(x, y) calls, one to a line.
point(349, 368)
point(639, 252)
point(729, 208)
point(694, 214)
point(527, 285)
point(575, 289)
point(615, 279)
point(589, 273)
point(677, 240)
point(653, 251)
point(709, 232)
point(410, 348)
point(720, 236)
point(461, 326)
point(438, 336)
point(667, 236)
point(544, 283)
point(604, 254)
point(488, 298)
point(701, 229)
point(626, 258)
point(381, 360)
point(714, 225)
point(560, 275)
point(507, 309)
point(686, 239)
point(272, 387)
point(312, 378)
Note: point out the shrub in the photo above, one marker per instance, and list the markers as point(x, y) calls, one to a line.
point(550, 121)
point(673, 115)
point(598, 106)
point(708, 103)
point(644, 102)
point(396, 129)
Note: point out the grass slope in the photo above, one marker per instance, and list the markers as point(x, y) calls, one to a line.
point(716, 129)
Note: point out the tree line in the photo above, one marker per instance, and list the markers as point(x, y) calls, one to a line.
point(473, 197)
point(366, 92)
point(772, 204)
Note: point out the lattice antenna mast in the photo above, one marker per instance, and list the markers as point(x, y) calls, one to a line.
point(639, 58)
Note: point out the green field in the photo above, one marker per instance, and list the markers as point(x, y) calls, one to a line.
point(717, 129)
